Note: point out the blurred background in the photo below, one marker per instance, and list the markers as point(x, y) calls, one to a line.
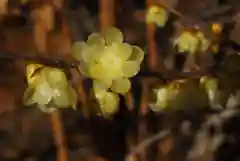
point(30, 31)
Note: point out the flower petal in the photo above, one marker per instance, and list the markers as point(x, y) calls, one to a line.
point(98, 72)
point(83, 68)
point(93, 53)
point(157, 15)
point(121, 85)
point(55, 77)
point(124, 51)
point(95, 39)
point(112, 62)
point(99, 89)
point(109, 104)
point(28, 94)
point(96, 52)
point(61, 98)
point(46, 109)
point(30, 70)
point(162, 97)
point(151, 14)
point(43, 94)
point(130, 68)
point(137, 54)
point(187, 42)
point(113, 35)
point(78, 49)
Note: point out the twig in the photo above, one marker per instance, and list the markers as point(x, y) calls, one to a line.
point(206, 17)
point(107, 14)
point(58, 136)
point(173, 11)
point(49, 61)
point(149, 141)
point(170, 75)
point(151, 30)
point(71, 63)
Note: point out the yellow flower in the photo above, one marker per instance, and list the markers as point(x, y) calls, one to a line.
point(204, 42)
point(107, 59)
point(110, 62)
point(210, 85)
point(30, 72)
point(189, 42)
point(164, 95)
point(157, 15)
point(108, 101)
point(48, 89)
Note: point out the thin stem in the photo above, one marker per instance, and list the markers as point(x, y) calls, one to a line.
point(151, 29)
point(107, 14)
point(58, 136)
point(149, 141)
point(175, 12)
point(61, 62)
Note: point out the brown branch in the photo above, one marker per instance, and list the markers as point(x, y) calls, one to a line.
point(44, 22)
point(58, 136)
point(71, 63)
point(107, 14)
point(151, 30)
point(170, 75)
point(61, 62)
point(206, 17)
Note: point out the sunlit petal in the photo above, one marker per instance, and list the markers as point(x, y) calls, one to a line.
point(187, 42)
point(98, 72)
point(46, 109)
point(78, 49)
point(157, 15)
point(113, 35)
point(99, 89)
point(61, 98)
point(55, 77)
point(83, 68)
point(124, 51)
point(130, 69)
point(30, 70)
point(162, 97)
point(121, 85)
point(95, 39)
point(43, 94)
point(137, 54)
point(109, 104)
